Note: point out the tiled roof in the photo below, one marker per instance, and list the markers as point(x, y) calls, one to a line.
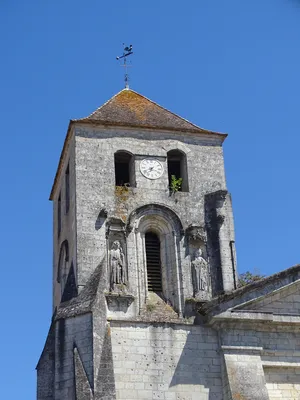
point(129, 108)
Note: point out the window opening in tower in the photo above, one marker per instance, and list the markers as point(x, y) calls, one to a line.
point(122, 168)
point(153, 262)
point(177, 168)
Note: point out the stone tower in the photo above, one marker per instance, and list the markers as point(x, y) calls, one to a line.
point(143, 237)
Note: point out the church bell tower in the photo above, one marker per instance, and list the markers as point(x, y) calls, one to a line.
point(143, 233)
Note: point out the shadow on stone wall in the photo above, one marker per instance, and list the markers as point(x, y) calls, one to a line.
point(213, 244)
point(105, 377)
point(46, 368)
point(70, 290)
point(200, 364)
point(101, 219)
point(279, 376)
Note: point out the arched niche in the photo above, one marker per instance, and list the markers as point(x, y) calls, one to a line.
point(63, 264)
point(166, 225)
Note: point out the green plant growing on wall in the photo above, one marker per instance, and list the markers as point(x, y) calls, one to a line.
point(249, 277)
point(150, 307)
point(175, 184)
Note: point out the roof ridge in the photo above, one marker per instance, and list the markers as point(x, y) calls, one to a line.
point(293, 273)
point(165, 109)
point(190, 125)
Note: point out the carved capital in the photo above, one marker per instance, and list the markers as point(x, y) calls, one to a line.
point(195, 232)
point(115, 224)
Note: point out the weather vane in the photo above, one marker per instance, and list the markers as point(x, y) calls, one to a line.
point(127, 52)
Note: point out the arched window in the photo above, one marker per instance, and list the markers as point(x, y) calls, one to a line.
point(154, 278)
point(63, 261)
point(156, 232)
point(177, 166)
point(124, 169)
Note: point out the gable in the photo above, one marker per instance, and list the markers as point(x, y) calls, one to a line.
point(285, 300)
point(129, 108)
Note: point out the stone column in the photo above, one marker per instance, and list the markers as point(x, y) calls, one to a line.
point(223, 219)
point(232, 238)
point(178, 280)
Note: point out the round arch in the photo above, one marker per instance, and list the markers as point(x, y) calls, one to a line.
point(161, 218)
point(166, 224)
point(63, 260)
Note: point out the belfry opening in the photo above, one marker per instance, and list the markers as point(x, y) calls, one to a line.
point(122, 168)
point(154, 279)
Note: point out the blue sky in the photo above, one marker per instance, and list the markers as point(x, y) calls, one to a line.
point(231, 66)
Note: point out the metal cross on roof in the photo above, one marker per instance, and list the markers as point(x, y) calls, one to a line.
point(126, 52)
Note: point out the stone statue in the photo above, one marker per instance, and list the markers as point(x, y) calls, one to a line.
point(199, 272)
point(117, 264)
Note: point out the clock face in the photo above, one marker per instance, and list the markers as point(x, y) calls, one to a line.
point(151, 169)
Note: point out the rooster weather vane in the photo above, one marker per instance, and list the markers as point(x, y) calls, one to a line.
point(127, 52)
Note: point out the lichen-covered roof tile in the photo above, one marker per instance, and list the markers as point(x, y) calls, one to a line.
point(129, 108)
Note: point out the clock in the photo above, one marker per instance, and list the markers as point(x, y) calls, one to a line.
point(151, 168)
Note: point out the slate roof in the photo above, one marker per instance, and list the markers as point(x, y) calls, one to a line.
point(129, 108)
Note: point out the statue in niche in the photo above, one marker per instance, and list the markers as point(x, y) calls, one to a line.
point(117, 264)
point(199, 272)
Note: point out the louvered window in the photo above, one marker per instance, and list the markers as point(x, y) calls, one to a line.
point(153, 262)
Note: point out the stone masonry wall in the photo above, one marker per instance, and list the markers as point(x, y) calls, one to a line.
point(286, 301)
point(262, 361)
point(95, 182)
point(271, 338)
point(46, 369)
point(283, 383)
point(72, 333)
point(68, 220)
point(165, 362)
